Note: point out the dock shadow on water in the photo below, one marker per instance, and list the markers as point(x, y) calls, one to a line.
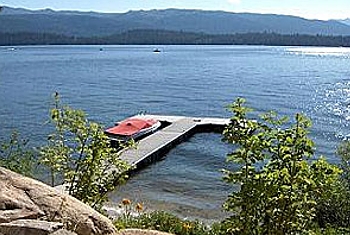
point(187, 182)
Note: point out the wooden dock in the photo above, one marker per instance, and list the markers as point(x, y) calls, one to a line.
point(153, 147)
point(176, 130)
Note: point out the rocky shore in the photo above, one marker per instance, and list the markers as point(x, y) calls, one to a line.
point(29, 207)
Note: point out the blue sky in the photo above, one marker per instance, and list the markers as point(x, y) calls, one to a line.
point(311, 9)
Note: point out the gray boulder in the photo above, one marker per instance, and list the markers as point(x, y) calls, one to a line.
point(29, 227)
point(26, 198)
point(141, 232)
point(63, 232)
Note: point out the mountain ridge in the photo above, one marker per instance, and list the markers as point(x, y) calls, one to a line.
point(345, 21)
point(78, 23)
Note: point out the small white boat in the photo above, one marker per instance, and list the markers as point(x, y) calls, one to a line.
point(132, 128)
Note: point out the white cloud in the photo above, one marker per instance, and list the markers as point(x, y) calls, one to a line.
point(234, 1)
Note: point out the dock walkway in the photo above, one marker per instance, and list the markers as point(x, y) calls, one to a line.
point(179, 129)
point(157, 144)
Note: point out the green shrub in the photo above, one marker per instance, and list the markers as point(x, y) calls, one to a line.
point(134, 217)
point(279, 189)
point(16, 156)
point(163, 221)
point(343, 151)
point(330, 231)
point(333, 209)
point(80, 152)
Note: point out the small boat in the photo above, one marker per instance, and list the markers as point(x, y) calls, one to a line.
point(156, 50)
point(132, 128)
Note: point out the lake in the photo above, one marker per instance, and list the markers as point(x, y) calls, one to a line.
point(120, 81)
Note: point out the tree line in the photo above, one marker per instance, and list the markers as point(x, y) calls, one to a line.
point(163, 37)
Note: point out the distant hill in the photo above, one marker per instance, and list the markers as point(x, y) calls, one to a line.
point(163, 37)
point(346, 21)
point(87, 24)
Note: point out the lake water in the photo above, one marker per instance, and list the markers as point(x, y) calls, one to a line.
point(120, 81)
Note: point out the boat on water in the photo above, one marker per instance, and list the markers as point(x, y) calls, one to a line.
point(156, 50)
point(132, 128)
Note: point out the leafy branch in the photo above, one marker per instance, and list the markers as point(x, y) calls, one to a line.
point(81, 153)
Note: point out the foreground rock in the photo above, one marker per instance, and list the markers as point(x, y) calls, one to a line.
point(30, 227)
point(25, 198)
point(63, 232)
point(141, 232)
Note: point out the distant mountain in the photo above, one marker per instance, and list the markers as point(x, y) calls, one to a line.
point(346, 21)
point(87, 24)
